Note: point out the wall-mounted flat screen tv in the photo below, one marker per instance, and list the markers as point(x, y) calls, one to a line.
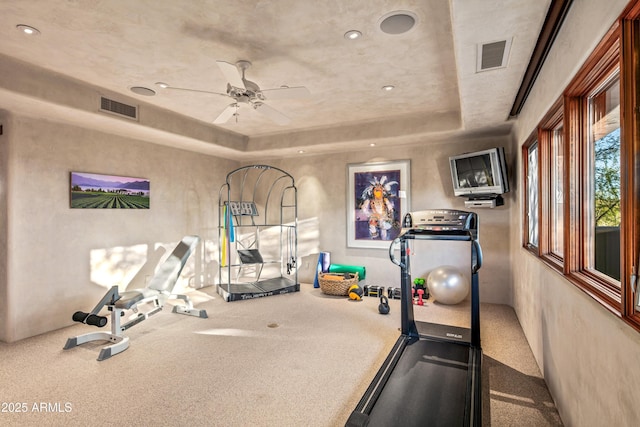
point(482, 173)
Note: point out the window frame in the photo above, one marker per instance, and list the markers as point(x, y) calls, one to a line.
point(619, 51)
point(603, 63)
point(530, 143)
point(630, 159)
point(546, 131)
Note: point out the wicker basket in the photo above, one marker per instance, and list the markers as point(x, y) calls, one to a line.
point(331, 286)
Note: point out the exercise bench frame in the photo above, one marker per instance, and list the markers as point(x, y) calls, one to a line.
point(160, 290)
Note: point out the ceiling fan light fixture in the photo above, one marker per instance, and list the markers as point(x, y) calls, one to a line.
point(246, 93)
point(28, 29)
point(352, 35)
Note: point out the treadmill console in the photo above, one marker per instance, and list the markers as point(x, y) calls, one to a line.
point(438, 221)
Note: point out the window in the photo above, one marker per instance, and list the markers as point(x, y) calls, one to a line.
point(551, 187)
point(557, 192)
point(593, 117)
point(531, 202)
point(603, 190)
point(582, 175)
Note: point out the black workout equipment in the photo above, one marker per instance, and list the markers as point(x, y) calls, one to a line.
point(394, 293)
point(432, 375)
point(89, 319)
point(383, 307)
point(373, 291)
point(355, 292)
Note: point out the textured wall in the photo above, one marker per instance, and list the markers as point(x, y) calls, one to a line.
point(61, 259)
point(322, 188)
point(588, 356)
point(4, 173)
point(71, 256)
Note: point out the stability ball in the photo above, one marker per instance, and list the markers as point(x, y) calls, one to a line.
point(448, 285)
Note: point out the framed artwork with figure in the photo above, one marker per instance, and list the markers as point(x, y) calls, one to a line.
point(377, 199)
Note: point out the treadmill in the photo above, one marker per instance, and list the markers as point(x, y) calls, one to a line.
point(432, 375)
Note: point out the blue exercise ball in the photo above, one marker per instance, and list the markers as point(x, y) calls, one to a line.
point(447, 285)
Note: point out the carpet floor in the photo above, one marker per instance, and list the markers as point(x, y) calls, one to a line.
point(300, 359)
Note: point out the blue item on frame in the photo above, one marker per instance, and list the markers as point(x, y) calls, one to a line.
point(324, 260)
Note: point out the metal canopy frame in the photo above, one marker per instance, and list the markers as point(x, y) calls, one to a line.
point(257, 201)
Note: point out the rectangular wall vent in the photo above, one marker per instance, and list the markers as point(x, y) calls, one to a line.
point(118, 108)
point(493, 55)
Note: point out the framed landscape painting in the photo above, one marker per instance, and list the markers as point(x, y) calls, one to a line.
point(95, 191)
point(377, 199)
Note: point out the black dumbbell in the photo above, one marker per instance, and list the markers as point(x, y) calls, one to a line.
point(373, 291)
point(394, 293)
point(376, 291)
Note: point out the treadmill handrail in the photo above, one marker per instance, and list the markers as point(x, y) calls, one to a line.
point(458, 235)
point(477, 256)
point(391, 254)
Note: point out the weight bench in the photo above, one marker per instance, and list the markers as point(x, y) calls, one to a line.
point(159, 290)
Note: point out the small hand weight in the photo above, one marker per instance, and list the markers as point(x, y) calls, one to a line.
point(383, 307)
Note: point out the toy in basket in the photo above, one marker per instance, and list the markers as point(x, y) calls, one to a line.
point(337, 284)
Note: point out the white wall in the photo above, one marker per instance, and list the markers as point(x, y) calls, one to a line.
point(322, 188)
point(60, 260)
point(4, 167)
point(588, 356)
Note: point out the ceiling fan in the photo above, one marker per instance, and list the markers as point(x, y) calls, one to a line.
point(247, 93)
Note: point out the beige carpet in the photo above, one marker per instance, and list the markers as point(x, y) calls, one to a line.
point(301, 359)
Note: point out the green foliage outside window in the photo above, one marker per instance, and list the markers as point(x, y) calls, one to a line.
point(607, 180)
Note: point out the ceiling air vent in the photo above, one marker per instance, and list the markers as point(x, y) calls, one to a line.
point(493, 55)
point(118, 108)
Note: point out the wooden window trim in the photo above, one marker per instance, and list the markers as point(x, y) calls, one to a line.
point(545, 161)
point(630, 153)
point(618, 50)
point(604, 57)
point(601, 64)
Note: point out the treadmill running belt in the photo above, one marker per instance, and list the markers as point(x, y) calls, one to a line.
point(427, 387)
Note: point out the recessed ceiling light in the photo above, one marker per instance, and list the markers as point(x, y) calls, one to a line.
point(27, 29)
point(373, 144)
point(162, 85)
point(143, 91)
point(352, 35)
point(300, 151)
point(388, 88)
point(398, 22)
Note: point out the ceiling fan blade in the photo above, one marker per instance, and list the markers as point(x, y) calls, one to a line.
point(184, 89)
point(271, 113)
point(231, 73)
point(286, 93)
point(226, 114)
